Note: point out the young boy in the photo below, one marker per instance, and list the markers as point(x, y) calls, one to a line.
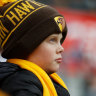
point(31, 35)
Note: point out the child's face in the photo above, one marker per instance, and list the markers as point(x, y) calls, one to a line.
point(48, 54)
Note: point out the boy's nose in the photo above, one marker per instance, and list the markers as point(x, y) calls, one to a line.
point(60, 49)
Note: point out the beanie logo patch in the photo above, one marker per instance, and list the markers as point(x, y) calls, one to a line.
point(60, 22)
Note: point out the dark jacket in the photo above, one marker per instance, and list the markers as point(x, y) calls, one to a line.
point(21, 82)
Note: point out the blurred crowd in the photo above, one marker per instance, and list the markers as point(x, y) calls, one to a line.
point(76, 4)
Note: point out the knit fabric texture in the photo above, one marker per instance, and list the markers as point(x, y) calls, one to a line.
point(24, 24)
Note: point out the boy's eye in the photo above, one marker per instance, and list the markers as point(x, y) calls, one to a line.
point(53, 39)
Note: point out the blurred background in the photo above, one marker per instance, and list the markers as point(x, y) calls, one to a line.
point(78, 68)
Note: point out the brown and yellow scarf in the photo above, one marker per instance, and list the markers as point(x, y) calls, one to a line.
point(48, 87)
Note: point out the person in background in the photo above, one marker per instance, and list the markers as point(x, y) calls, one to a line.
point(31, 35)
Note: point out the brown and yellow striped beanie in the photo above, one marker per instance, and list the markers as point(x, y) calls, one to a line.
point(24, 24)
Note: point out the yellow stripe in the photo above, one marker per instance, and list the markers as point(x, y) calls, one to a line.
point(58, 79)
point(1, 16)
point(39, 4)
point(19, 24)
point(11, 7)
point(2, 93)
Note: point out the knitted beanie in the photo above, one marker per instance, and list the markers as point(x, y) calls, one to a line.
point(24, 24)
